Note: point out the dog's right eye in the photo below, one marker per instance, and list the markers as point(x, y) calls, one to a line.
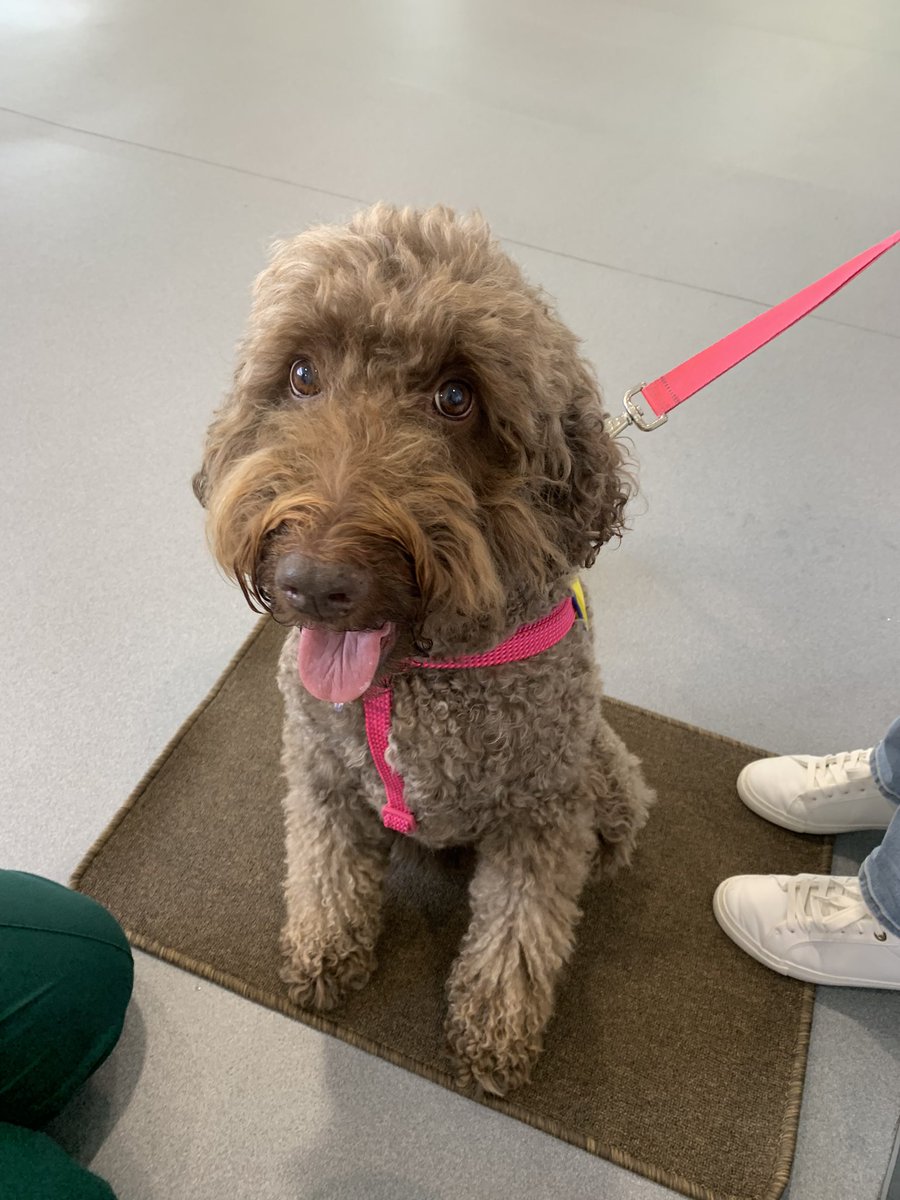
point(454, 399)
point(304, 378)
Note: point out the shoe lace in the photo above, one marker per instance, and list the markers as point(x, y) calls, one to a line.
point(834, 770)
point(823, 902)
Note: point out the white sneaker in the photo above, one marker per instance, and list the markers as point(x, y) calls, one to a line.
point(812, 927)
point(835, 794)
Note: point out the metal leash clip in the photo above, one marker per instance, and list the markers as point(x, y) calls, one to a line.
point(633, 415)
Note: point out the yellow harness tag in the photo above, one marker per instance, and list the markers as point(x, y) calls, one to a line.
point(580, 602)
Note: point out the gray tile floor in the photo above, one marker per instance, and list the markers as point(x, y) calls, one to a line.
point(664, 167)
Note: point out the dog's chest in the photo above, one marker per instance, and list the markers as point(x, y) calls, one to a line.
point(475, 746)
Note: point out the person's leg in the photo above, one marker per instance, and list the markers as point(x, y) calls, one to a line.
point(885, 763)
point(836, 793)
point(33, 1167)
point(66, 974)
point(879, 875)
point(839, 930)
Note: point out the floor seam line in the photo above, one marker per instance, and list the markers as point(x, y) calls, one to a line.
point(590, 262)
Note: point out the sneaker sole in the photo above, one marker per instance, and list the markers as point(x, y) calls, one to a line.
point(741, 939)
point(777, 816)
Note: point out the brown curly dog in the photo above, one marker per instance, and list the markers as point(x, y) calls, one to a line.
point(413, 463)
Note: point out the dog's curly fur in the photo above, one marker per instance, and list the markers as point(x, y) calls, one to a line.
point(468, 529)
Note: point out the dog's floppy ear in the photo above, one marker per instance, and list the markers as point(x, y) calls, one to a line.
point(200, 484)
point(597, 484)
point(219, 441)
point(212, 456)
point(227, 437)
point(211, 450)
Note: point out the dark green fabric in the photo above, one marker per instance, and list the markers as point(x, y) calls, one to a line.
point(33, 1167)
point(66, 974)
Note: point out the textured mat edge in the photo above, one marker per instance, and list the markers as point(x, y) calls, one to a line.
point(107, 834)
point(574, 1137)
point(652, 1171)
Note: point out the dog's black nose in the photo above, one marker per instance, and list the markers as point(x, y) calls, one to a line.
point(329, 591)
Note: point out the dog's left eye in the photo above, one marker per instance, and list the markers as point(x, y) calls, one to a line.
point(304, 378)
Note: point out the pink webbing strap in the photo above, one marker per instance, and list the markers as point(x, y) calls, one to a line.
point(377, 706)
point(678, 385)
point(524, 643)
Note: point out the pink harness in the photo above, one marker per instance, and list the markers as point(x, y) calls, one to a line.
point(526, 642)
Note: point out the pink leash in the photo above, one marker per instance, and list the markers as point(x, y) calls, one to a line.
point(685, 380)
point(526, 642)
point(662, 396)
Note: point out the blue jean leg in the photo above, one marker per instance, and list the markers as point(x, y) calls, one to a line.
point(879, 875)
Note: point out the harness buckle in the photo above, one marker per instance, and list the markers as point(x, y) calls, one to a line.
point(633, 415)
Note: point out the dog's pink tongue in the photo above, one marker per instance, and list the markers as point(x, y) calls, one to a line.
point(339, 667)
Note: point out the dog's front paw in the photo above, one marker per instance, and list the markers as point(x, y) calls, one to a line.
point(320, 974)
point(495, 1038)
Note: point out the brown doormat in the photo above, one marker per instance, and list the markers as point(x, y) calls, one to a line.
point(671, 1053)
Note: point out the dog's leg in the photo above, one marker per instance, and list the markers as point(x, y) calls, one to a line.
point(524, 898)
point(337, 854)
point(623, 799)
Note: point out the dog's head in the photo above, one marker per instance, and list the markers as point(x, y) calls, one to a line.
point(413, 456)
